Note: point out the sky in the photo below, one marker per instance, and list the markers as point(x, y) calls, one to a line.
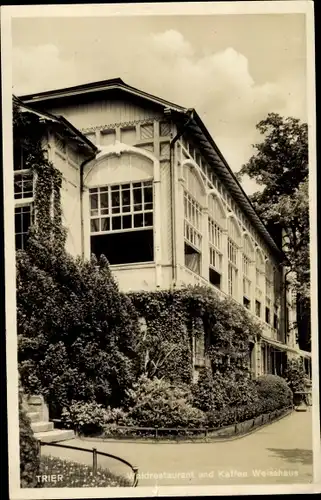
point(233, 69)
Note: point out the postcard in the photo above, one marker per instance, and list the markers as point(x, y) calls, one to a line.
point(161, 249)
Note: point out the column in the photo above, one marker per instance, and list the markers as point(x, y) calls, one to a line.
point(224, 285)
point(158, 224)
point(205, 264)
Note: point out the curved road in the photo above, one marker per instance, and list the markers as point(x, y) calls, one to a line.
point(278, 453)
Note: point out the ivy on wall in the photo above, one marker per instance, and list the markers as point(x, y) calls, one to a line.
point(28, 136)
point(174, 318)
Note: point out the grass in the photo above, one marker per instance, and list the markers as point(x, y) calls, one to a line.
point(61, 473)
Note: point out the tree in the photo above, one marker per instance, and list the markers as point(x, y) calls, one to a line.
point(280, 166)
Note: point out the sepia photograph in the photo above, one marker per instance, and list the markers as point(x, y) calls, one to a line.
point(160, 249)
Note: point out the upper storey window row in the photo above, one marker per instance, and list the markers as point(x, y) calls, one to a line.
point(189, 150)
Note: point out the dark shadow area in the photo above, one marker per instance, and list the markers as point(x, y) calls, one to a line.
point(295, 455)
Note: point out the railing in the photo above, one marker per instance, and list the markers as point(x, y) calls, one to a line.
point(95, 453)
point(156, 432)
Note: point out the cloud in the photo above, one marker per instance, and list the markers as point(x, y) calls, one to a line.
point(41, 68)
point(171, 42)
point(218, 85)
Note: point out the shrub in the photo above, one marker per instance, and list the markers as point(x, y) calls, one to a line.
point(274, 391)
point(77, 332)
point(214, 392)
point(85, 418)
point(156, 403)
point(295, 375)
point(29, 456)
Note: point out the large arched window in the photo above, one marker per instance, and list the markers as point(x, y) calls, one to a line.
point(193, 195)
point(259, 281)
point(247, 267)
point(122, 213)
point(233, 245)
point(216, 223)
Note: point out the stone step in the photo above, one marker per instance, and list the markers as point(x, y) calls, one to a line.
point(42, 426)
point(55, 435)
point(34, 416)
point(35, 400)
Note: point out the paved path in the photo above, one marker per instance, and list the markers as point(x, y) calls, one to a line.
point(283, 449)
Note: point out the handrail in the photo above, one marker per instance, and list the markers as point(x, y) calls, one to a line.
point(95, 452)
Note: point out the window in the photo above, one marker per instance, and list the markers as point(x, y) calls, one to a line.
point(247, 265)
point(192, 233)
point(259, 275)
point(258, 308)
point(267, 315)
point(121, 222)
point(276, 318)
point(268, 284)
point(215, 234)
point(246, 303)
point(23, 185)
point(23, 221)
point(23, 177)
point(233, 244)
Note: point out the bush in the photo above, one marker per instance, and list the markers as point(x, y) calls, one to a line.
point(156, 403)
point(274, 392)
point(214, 392)
point(85, 418)
point(78, 475)
point(29, 456)
point(77, 332)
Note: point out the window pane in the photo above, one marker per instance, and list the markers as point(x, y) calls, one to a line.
point(115, 201)
point(105, 224)
point(94, 201)
point(138, 220)
point(127, 221)
point(104, 200)
point(148, 195)
point(149, 219)
point(116, 222)
point(26, 221)
point(126, 200)
point(94, 225)
point(137, 199)
point(18, 222)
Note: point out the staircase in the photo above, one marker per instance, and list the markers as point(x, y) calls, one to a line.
point(44, 430)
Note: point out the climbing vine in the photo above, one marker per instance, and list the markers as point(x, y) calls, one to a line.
point(176, 320)
point(28, 135)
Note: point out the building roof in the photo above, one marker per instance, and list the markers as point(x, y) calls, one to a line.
point(195, 126)
point(61, 124)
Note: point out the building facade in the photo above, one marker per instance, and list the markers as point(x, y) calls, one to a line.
point(145, 184)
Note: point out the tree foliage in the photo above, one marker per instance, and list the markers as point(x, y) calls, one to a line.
point(280, 166)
